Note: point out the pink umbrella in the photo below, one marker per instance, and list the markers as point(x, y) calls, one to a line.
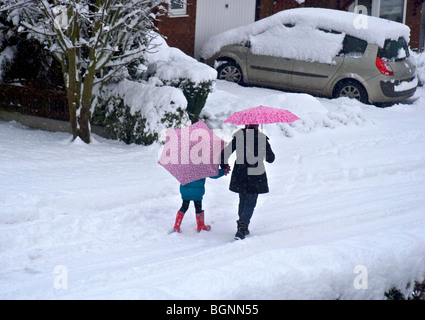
point(261, 115)
point(192, 153)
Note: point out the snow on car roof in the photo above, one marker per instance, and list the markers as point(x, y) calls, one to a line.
point(371, 29)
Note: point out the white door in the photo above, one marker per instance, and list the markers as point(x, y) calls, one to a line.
point(216, 16)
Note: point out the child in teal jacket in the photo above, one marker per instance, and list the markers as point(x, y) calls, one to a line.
point(194, 191)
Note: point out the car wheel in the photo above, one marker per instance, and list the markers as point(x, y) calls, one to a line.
point(231, 72)
point(351, 89)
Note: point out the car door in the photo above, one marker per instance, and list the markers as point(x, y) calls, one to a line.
point(314, 76)
point(269, 70)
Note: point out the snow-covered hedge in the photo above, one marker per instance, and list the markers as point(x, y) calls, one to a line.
point(137, 112)
point(420, 66)
point(170, 63)
point(171, 90)
point(172, 67)
point(196, 95)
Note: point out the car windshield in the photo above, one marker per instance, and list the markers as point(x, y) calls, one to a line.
point(394, 50)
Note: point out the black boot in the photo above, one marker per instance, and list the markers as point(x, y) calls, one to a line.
point(242, 230)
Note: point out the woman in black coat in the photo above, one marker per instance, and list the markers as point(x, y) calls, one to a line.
point(249, 176)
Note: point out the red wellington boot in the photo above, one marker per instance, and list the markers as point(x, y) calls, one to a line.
point(179, 219)
point(201, 223)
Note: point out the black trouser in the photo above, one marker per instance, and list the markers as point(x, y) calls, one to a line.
point(247, 203)
point(185, 206)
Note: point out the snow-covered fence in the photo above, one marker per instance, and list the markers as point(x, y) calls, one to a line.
point(43, 103)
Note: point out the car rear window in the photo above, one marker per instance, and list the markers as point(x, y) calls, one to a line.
point(353, 47)
point(394, 50)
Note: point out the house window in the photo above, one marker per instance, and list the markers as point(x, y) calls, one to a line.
point(394, 10)
point(177, 8)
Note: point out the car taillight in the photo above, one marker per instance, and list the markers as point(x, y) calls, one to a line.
point(384, 67)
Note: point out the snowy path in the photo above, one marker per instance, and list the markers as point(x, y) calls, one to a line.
point(347, 191)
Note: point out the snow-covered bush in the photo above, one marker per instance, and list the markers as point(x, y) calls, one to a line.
point(169, 90)
point(172, 67)
point(415, 293)
point(420, 66)
point(137, 112)
point(27, 63)
point(196, 95)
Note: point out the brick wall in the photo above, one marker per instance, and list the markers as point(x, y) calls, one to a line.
point(180, 31)
point(413, 20)
point(266, 8)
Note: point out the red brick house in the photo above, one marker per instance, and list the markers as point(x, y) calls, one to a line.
point(188, 25)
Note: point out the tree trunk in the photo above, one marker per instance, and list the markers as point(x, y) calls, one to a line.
point(69, 69)
point(85, 113)
point(84, 122)
point(72, 105)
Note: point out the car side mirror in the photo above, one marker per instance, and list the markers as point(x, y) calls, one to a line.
point(247, 44)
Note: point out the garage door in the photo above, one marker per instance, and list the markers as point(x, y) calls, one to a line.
point(213, 17)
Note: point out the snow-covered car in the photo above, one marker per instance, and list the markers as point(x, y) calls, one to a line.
point(324, 52)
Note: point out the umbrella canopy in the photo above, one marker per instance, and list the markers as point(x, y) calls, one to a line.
point(192, 153)
point(261, 115)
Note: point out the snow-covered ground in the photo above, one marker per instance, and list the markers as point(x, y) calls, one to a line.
point(344, 219)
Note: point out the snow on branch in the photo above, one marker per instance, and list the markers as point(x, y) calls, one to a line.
point(104, 34)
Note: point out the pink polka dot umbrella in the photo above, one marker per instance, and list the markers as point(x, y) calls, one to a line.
point(192, 153)
point(261, 115)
